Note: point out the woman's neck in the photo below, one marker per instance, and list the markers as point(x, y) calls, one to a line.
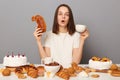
point(63, 29)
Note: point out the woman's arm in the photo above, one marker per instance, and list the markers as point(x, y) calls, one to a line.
point(77, 52)
point(44, 52)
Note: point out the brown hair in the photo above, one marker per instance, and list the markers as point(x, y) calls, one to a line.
point(70, 25)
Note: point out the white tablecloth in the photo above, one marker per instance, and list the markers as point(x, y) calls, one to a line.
point(103, 76)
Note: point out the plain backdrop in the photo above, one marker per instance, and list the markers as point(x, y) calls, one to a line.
point(102, 18)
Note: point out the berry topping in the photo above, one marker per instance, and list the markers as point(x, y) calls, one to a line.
point(23, 55)
point(7, 55)
point(12, 54)
point(18, 55)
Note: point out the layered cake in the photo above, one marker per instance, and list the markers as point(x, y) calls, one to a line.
point(15, 60)
point(100, 63)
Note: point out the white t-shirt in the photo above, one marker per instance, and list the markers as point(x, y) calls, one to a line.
point(61, 46)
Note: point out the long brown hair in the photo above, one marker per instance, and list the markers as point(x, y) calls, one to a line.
point(70, 25)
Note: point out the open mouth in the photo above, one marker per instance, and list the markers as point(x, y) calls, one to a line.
point(63, 21)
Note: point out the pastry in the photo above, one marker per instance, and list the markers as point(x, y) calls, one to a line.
point(40, 22)
point(33, 72)
point(20, 73)
point(41, 70)
point(66, 73)
point(119, 68)
point(95, 58)
point(105, 59)
point(63, 74)
point(70, 71)
point(114, 67)
point(6, 72)
point(26, 68)
point(21, 76)
point(76, 67)
point(115, 73)
point(95, 76)
point(1, 70)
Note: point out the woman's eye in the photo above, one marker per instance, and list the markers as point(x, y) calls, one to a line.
point(59, 13)
point(67, 14)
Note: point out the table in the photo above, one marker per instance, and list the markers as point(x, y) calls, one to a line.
point(103, 76)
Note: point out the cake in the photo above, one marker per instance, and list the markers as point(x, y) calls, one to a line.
point(100, 63)
point(15, 60)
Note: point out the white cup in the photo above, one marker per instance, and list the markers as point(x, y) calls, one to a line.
point(46, 60)
point(80, 28)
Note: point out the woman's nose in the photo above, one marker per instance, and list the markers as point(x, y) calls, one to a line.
point(63, 16)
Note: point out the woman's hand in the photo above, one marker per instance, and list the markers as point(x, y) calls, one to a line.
point(38, 34)
point(84, 35)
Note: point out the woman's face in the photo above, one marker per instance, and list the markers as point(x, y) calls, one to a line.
point(63, 16)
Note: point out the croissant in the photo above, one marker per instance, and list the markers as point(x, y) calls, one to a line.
point(115, 73)
point(19, 72)
point(41, 70)
point(33, 72)
point(114, 67)
point(76, 67)
point(63, 74)
point(40, 22)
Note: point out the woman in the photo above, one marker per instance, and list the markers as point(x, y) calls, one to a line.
point(63, 43)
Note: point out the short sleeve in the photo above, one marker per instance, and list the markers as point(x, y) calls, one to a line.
point(76, 40)
point(47, 40)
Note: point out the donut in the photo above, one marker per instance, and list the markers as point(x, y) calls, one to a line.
point(40, 22)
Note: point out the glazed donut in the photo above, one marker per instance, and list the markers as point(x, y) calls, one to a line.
point(40, 22)
point(116, 73)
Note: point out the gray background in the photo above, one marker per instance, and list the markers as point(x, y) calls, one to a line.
point(102, 18)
